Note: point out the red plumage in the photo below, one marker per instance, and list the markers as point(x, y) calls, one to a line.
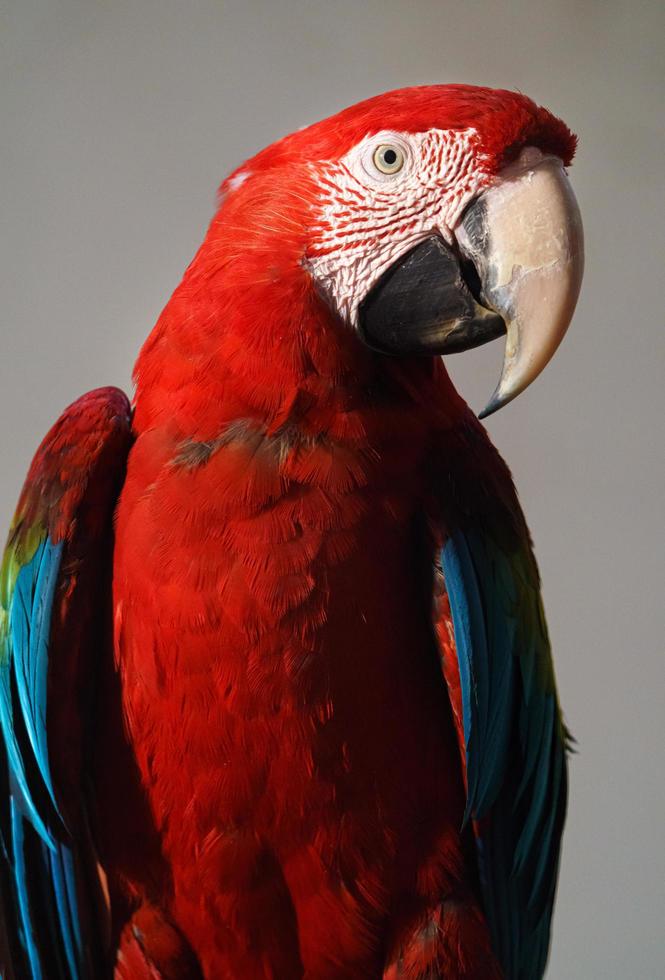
point(288, 798)
point(273, 558)
point(280, 682)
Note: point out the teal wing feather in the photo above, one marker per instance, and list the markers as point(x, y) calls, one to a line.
point(513, 736)
point(51, 579)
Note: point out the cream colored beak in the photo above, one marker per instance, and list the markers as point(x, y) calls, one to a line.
point(524, 236)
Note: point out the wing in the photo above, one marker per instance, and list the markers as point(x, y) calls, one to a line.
point(55, 583)
point(498, 666)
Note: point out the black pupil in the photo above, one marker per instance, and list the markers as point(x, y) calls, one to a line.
point(389, 157)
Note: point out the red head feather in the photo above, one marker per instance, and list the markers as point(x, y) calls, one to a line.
point(247, 332)
point(505, 122)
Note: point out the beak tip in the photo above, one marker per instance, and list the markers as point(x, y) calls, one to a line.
point(496, 402)
point(489, 409)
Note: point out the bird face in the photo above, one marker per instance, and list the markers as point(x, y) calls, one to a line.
point(439, 239)
point(429, 219)
point(391, 191)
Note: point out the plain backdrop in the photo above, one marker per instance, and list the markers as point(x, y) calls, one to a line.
point(119, 120)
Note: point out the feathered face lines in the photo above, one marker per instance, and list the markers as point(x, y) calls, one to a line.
point(367, 218)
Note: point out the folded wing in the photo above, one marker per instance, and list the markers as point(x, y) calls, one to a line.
point(499, 671)
point(55, 583)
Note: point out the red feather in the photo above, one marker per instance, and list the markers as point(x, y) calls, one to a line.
point(272, 576)
point(294, 795)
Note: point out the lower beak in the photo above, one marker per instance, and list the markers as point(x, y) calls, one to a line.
point(518, 272)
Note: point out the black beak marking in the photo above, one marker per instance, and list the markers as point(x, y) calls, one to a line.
point(422, 305)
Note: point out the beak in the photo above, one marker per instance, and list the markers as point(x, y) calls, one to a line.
point(524, 237)
point(519, 272)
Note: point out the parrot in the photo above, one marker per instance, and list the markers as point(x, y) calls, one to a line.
point(276, 689)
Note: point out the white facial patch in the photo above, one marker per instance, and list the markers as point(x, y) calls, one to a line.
point(369, 218)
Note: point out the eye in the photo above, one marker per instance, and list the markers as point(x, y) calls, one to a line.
point(388, 158)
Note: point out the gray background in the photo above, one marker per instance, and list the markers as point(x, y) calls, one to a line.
point(119, 120)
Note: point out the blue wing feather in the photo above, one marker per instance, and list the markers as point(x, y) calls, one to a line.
point(513, 735)
point(21, 884)
point(66, 902)
point(29, 623)
point(25, 668)
point(21, 794)
point(46, 878)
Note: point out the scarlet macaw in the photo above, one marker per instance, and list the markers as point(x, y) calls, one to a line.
point(292, 713)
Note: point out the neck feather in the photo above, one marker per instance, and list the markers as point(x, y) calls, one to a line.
point(246, 336)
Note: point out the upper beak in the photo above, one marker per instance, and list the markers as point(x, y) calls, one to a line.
point(524, 236)
point(522, 255)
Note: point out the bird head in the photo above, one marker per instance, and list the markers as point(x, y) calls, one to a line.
point(427, 220)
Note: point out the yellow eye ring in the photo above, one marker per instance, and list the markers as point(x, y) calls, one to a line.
point(388, 158)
